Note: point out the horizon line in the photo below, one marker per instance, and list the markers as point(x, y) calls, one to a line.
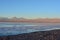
point(33, 18)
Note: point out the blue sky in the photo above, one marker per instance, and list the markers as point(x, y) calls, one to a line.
point(30, 8)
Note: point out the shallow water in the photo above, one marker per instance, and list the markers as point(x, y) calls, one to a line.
point(13, 28)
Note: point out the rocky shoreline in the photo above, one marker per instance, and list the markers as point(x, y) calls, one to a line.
point(40, 35)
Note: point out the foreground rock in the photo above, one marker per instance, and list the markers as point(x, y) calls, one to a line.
point(43, 35)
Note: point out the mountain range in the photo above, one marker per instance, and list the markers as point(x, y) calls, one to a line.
point(37, 20)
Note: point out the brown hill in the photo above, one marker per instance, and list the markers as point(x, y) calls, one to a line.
point(33, 20)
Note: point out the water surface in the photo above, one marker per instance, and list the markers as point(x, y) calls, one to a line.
point(13, 28)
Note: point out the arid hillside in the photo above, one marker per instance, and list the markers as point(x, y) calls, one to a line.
point(31, 20)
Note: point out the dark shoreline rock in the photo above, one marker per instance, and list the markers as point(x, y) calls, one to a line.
point(40, 35)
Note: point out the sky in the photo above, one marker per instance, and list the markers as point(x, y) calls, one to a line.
point(30, 8)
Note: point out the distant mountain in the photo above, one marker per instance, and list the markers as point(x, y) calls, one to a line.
point(38, 20)
point(4, 19)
